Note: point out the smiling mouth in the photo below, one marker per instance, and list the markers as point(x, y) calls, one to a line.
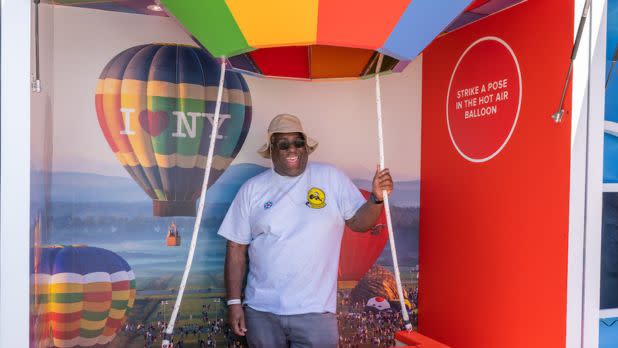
point(292, 160)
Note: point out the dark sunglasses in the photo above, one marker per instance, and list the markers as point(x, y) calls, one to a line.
point(284, 144)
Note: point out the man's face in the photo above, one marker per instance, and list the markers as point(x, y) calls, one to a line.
point(289, 153)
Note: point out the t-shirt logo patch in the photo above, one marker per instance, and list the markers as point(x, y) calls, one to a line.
point(316, 198)
point(268, 205)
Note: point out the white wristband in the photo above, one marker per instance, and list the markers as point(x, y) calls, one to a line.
point(234, 301)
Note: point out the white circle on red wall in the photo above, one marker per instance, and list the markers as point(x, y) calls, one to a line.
point(483, 99)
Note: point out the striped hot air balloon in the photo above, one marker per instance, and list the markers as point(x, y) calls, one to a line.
point(155, 104)
point(83, 295)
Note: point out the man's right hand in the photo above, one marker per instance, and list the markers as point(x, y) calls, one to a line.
point(236, 317)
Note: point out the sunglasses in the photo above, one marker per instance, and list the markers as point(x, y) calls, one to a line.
point(284, 144)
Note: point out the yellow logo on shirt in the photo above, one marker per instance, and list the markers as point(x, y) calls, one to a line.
point(316, 198)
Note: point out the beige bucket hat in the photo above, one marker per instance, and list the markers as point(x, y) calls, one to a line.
point(286, 123)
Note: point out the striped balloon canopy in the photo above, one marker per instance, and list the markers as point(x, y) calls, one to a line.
point(315, 39)
point(155, 104)
point(81, 295)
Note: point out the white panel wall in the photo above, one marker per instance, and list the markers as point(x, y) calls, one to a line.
point(14, 173)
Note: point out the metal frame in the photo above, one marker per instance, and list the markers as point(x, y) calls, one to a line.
point(588, 100)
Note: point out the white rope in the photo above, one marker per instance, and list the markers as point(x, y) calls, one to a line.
point(391, 238)
point(200, 210)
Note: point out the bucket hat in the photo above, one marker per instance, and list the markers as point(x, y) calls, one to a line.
point(286, 123)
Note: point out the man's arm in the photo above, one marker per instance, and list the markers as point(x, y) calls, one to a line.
point(367, 215)
point(235, 268)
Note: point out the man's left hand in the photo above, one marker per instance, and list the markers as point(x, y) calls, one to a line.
point(382, 180)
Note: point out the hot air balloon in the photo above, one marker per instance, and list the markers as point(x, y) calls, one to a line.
point(155, 106)
point(83, 295)
point(377, 304)
point(359, 251)
point(315, 39)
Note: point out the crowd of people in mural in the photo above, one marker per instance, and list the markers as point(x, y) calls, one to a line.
point(210, 334)
point(358, 328)
point(362, 326)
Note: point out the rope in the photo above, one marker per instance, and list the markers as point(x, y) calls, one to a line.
point(198, 219)
point(391, 238)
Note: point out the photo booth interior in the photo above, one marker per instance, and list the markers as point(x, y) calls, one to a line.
point(482, 190)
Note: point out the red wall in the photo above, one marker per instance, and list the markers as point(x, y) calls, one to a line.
point(493, 235)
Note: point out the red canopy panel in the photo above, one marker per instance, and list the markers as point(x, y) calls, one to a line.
point(358, 23)
point(311, 62)
point(290, 61)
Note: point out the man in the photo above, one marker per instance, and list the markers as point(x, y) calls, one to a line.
point(291, 220)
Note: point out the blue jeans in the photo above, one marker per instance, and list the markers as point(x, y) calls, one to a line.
point(311, 330)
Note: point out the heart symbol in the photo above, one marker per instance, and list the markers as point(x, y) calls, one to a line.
point(154, 123)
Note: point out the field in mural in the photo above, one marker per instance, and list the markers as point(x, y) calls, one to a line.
point(114, 214)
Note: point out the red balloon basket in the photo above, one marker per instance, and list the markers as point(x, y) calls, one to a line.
point(416, 340)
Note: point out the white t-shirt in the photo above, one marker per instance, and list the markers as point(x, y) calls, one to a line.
point(293, 226)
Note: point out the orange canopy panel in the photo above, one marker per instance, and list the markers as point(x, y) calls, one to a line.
point(275, 23)
point(333, 62)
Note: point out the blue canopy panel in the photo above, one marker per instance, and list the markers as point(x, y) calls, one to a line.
point(422, 21)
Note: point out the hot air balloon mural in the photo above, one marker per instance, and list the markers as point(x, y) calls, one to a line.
point(83, 295)
point(359, 251)
point(155, 105)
